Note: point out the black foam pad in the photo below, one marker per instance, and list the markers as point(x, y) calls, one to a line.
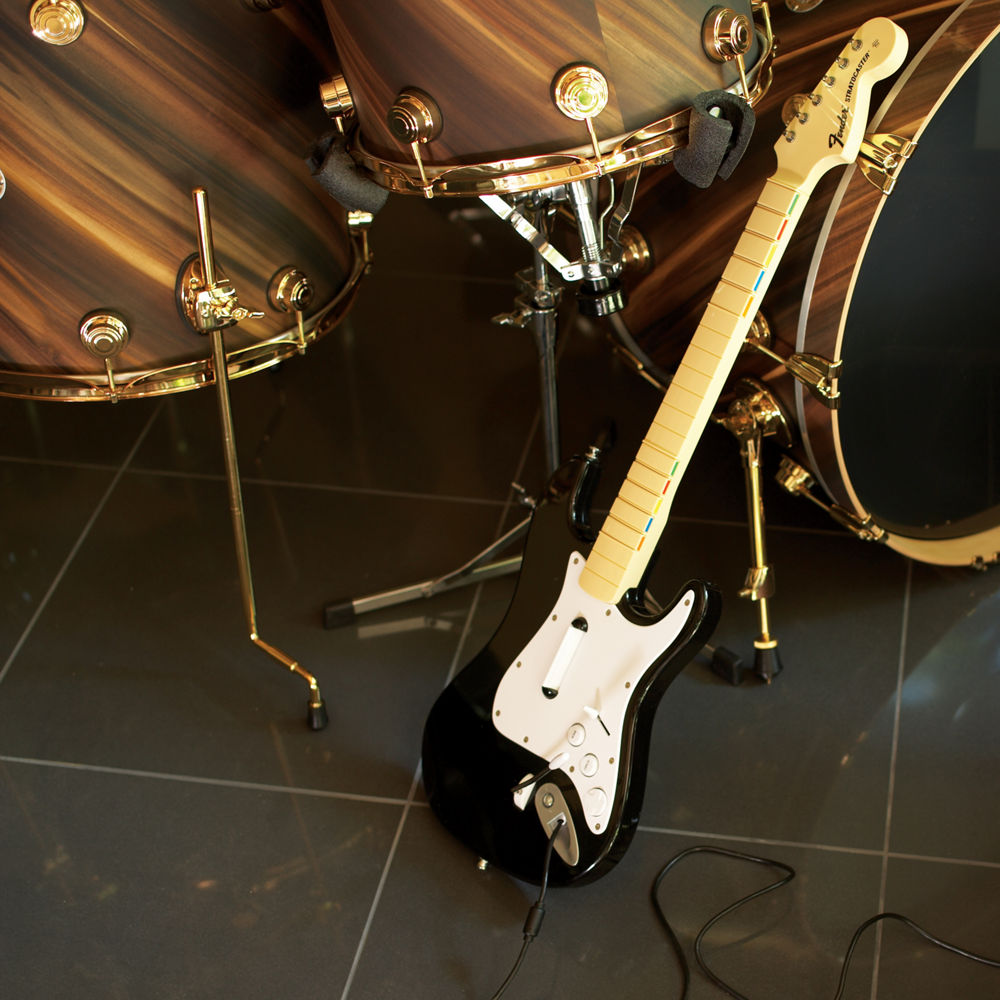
point(341, 178)
point(716, 142)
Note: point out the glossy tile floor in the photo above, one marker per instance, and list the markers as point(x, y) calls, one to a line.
point(169, 827)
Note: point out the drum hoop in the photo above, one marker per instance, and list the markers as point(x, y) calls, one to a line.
point(982, 546)
point(656, 141)
point(194, 374)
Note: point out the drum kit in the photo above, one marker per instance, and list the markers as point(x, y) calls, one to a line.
point(874, 363)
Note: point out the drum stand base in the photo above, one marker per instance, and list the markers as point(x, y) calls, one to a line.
point(536, 306)
point(752, 416)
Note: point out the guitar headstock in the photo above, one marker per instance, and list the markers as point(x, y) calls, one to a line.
point(830, 123)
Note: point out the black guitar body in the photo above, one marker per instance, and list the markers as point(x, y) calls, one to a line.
point(470, 769)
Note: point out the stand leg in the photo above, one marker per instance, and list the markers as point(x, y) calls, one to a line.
point(752, 416)
point(316, 715)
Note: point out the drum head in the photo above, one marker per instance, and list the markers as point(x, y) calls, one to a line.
point(920, 415)
point(900, 290)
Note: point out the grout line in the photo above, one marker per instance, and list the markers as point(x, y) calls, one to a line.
point(765, 841)
point(43, 603)
point(456, 659)
point(808, 846)
point(194, 779)
point(891, 791)
point(407, 806)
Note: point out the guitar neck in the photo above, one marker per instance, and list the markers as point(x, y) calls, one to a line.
point(636, 520)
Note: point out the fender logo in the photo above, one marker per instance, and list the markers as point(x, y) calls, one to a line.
point(837, 138)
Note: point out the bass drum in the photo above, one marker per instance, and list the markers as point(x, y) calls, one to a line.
point(112, 114)
point(897, 286)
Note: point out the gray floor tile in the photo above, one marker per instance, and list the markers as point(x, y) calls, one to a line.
point(117, 886)
point(949, 742)
point(603, 938)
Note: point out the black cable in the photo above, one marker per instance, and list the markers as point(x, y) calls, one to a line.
point(954, 949)
point(533, 921)
point(672, 937)
point(790, 874)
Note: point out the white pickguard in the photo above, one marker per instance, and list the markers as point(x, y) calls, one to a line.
point(596, 687)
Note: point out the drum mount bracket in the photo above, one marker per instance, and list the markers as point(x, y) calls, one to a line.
point(818, 374)
point(794, 479)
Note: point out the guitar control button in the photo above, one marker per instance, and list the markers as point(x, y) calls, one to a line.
point(597, 801)
point(589, 765)
point(576, 735)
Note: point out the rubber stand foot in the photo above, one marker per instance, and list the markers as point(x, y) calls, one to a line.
point(339, 614)
point(316, 717)
point(727, 665)
point(767, 664)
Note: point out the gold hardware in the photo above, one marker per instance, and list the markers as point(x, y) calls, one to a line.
point(581, 92)
point(415, 118)
point(358, 224)
point(755, 411)
point(795, 109)
point(291, 291)
point(57, 22)
point(881, 158)
point(637, 257)
point(727, 35)
point(337, 101)
point(205, 295)
point(654, 143)
point(759, 334)
point(792, 478)
point(816, 373)
point(104, 334)
point(753, 415)
point(214, 308)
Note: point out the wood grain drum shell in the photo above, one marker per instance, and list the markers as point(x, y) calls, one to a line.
point(856, 286)
point(103, 141)
point(490, 64)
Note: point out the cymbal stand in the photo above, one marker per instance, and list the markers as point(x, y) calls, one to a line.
point(209, 302)
point(753, 415)
point(536, 306)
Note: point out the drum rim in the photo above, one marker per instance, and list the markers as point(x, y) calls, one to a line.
point(655, 141)
point(246, 360)
point(980, 546)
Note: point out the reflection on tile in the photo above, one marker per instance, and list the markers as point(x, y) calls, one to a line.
point(949, 744)
point(807, 757)
point(113, 889)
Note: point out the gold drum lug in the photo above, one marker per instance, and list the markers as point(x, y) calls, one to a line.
point(337, 101)
point(725, 34)
point(290, 290)
point(637, 258)
point(57, 22)
point(104, 334)
point(580, 91)
point(414, 117)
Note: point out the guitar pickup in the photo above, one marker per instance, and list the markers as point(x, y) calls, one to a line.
point(564, 657)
